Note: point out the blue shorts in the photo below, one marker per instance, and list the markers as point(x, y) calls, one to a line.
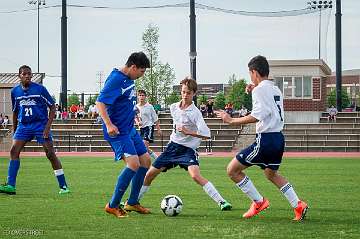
point(26, 132)
point(147, 133)
point(128, 145)
point(174, 155)
point(265, 152)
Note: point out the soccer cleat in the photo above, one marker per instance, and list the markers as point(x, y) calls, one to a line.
point(8, 189)
point(225, 206)
point(300, 211)
point(117, 212)
point(255, 208)
point(136, 208)
point(64, 190)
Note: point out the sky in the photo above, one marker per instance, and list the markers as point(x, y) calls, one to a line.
point(102, 39)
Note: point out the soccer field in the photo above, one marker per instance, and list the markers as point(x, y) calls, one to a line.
point(330, 186)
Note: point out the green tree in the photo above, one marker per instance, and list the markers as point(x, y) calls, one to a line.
point(345, 100)
point(237, 93)
point(73, 99)
point(172, 98)
point(159, 78)
point(201, 99)
point(219, 102)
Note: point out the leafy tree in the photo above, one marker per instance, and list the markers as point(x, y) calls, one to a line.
point(172, 98)
point(159, 78)
point(201, 99)
point(73, 99)
point(237, 93)
point(219, 102)
point(345, 100)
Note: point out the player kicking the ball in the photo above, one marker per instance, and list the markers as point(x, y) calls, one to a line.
point(189, 129)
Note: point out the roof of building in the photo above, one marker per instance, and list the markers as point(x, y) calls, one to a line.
point(11, 79)
point(352, 72)
point(303, 62)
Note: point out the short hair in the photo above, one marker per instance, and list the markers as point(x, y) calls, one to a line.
point(139, 59)
point(190, 83)
point(259, 64)
point(23, 67)
point(141, 92)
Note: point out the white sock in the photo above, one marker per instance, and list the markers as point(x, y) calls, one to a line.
point(249, 189)
point(152, 154)
point(290, 194)
point(58, 172)
point(143, 190)
point(213, 193)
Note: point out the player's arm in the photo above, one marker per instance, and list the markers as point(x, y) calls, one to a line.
point(235, 121)
point(50, 120)
point(111, 128)
point(15, 120)
point(203, 131)
point(15, 110)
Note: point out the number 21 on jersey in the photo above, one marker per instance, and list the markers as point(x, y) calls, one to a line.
point(28, 111)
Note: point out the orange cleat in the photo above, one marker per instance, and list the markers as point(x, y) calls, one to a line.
point(117, 212)
point(255, 208)
point(300, 211)
point(136, 208)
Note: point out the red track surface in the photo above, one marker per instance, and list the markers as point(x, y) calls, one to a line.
point(215, 154)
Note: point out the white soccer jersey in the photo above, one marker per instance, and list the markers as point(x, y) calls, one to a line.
point(148, 115)
point(268, 107)
point(191, 118)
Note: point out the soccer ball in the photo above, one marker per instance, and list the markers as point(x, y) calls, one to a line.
point(171, 205)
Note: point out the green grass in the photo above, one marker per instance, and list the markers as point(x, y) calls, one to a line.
point(330, 186)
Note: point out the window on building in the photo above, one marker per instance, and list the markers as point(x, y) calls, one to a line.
point(294, 86)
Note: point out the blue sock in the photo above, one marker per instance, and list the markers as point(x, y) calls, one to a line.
point(59, 173)
point(136, 185)
point(123, 182)
point(13, 169)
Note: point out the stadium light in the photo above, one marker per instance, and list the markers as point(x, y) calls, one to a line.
point(38, 3)
point(320, 5)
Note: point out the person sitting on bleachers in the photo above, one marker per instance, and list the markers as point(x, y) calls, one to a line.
point(72, 111)
point(65, 115)
point(92, 111)
point(5, 122)
point(332, 111)
point(229, 108)
point(243, 111)
point(202, 108)
point(58, 111)
point(80, 113)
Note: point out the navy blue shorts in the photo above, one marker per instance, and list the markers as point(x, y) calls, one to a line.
point(265, 152)
point(26, 132)
point(147, 133)
point(128, 145)
point(174, 155)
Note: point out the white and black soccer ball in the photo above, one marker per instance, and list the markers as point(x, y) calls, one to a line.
point(171, 205)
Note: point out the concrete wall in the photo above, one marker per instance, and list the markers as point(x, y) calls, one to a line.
point(302, 116)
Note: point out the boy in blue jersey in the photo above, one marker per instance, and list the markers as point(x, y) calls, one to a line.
point(116, 104)
point(267, 151)
point(31, 119)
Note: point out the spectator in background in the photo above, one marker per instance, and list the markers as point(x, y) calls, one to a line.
point(229, 108)
point(5, 122)
point(58, 111)
point(332, 111)
point(210, 108)
point(92, 111)
point(202, 108)
point(72, 111)
point(64, 115)
point(243, 111)
point(1, 118)
point(80, 113)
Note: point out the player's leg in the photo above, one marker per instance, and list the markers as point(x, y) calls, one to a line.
point(13, 168)
point(209, 188)
point(56, 165)
point(235, 171)
point(300, 207)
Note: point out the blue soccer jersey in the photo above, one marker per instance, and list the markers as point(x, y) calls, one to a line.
point(32, 103)
point(119, 97)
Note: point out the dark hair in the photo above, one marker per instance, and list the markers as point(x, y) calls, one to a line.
point(190, 83)
point(142, 92)
point(139, 59)
point(23, 67)
point(259, 64)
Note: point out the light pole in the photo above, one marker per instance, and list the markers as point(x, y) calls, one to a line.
point(320, 5)
point(38, 3)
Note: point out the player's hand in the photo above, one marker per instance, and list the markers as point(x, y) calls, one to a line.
point(46, 133)
point(224, 116)
point(112, 130)
point(249, 88)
